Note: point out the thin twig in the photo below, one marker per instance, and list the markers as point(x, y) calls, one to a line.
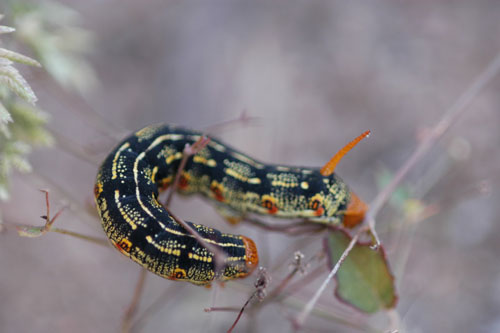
point(241, 311)
point(74, 204)
point(260, 292)
point(293, 228)
point(219, 255)
point(132, 308)
point(68, 145)
point(329, 315)
point(32, 231)
point(156, 305)
point(105, 127)
point(298, 266)
point(450, 117)
point(302, 283)
point(222, 309)
point(92, 239)
point(189, 150)
point(243, 118)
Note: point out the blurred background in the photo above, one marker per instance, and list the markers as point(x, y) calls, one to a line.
point(315, 74)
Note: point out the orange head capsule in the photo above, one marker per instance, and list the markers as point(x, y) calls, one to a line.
point(355, 212)
point(252, 257)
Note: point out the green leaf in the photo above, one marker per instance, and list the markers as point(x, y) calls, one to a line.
point(364, 279)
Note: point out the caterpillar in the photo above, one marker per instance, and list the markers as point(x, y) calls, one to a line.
point(130, 178)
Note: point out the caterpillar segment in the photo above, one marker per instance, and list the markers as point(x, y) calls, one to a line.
point(130, 178)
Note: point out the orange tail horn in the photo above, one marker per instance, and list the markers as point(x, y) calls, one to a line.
point(329, 167)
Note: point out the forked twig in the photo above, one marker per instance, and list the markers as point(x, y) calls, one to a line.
point(260, 292)
point(34, 231)
point(189, 150)
point(31, 231)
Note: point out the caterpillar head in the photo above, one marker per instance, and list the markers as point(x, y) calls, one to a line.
point(238, 266)
point(355, 208)
point(329, 200)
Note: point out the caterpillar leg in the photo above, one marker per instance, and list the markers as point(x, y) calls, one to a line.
point(32, 231)
point(229, 214)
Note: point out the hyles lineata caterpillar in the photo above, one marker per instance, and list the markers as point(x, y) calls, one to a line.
point(126, 193)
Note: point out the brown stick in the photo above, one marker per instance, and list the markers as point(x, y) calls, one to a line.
point(243, 118)
point(189, 150)
point(132, 308)
point(219, 256)
point(293, 228)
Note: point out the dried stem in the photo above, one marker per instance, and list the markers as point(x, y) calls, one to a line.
point(293, 228)
point(222, 309)
point(105, 127)
point(260, 292)
point(241, 311)
point(70, 146)
point(32, 231)
point(157, 304)
point(132, 308)
point(219, 256)
point(304, 282)
point(92, 239)
point(189, 150)
point(298, 266)
point(37, 231)
point(243, 118)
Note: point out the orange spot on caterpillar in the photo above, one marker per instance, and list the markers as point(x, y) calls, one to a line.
point(124, 245)
point(329, 167)
point(184, 182)
point(355, 212)
point(178, 274)
point(319, 211)
point(97, 189)
point(316, 205)
point(216, 189)
point(164, 186)
point(269, 203)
